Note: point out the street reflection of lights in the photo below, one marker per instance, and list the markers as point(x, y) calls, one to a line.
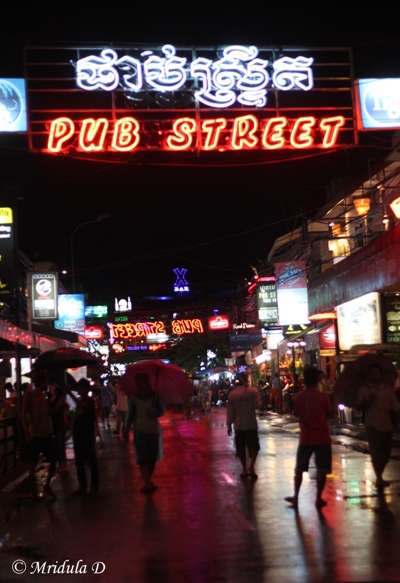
point(227, 478)
point(343, 461)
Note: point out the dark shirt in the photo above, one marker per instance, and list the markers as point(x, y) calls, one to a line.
point(84, 419)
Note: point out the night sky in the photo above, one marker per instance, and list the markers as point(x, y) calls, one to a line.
point(215, 221)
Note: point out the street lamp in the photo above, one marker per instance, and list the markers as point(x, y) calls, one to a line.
point(99, 218)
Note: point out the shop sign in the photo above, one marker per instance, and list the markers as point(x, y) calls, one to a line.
point(244, 342)
point(93, 332)
point(218, 323)
point(193, 326)
point(378, 104)
point(7, 271)
point(44, 288)
point(267, 302)
point(136, 330)
point(294, 330)
point(166, 98)
point(291, 286)
point(96, 311)
point(391, 317)
point(71, 313)
point(181, 285)
point(327, 338)
point(123, 305)
point(359, 321)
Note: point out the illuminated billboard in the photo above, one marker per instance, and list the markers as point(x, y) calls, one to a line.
point(291, 287)
point(127, 99)
point(7, 271)
point(13, 108)
point(44, 296)
point(359, 321)
point(71, 313)
point(378, 104)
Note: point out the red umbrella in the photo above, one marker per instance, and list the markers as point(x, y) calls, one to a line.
point(167, 380)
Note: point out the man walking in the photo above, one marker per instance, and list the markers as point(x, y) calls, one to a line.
point(313, 409)
point(241, 412)
point(375, 399)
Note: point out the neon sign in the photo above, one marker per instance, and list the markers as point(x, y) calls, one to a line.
point(138, 330)
point(180, 327)
point(239, 76)
point(181, 285)
point(218, 323)
point(130, 99)
point(93, 332)
point(244, 133)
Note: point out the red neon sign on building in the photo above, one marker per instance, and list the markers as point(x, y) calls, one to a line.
point(218, 323)
point(239, 133)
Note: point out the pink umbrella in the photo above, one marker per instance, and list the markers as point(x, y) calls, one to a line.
point(168, 380)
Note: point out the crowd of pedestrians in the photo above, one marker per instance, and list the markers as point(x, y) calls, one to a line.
point(45, 412)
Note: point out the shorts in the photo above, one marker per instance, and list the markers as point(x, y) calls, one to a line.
point(246, 438)
point(44, 445)
point(105, 412)
point(146, 447)
point(323, 457)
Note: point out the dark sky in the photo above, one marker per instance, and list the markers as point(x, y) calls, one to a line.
point(216, 222)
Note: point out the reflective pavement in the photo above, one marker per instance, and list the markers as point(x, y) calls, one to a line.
point(204, 524)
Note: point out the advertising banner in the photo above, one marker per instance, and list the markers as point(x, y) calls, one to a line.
point(291, 287)
point(7, 281)
point(377, 103)
point(44, 296)
point(71, 313)
point(327, 338)
point(267, 302)
point(359, 321)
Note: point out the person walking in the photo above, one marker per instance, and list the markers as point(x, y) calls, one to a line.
point(145, 408)
point(121, 407)
point(241, 413)
point(375, 399)
point(83, 435)
point(36, 421)
point(313, 409)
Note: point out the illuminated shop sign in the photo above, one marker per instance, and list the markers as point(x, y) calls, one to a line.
point(96, 311)
point(93, 332)
point(123, 305)
point(127, 99)
point(13, 116)
point(181, 285)
point(378, 104)
point(267, 302)
point(44, 296)
point(193, 326)
point(137, 330)
point(218, 323)
point(7, 271)
point(359, 321)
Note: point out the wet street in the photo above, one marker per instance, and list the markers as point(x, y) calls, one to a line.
point(204, 524)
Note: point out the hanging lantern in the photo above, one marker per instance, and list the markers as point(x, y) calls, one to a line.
point(362, 205)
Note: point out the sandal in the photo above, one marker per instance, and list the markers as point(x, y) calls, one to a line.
point(244, 475)
point(253, 475)
point(292, 500)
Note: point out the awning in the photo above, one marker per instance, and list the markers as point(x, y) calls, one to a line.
point(33, 340)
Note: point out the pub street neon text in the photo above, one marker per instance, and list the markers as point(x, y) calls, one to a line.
point(239, 133)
